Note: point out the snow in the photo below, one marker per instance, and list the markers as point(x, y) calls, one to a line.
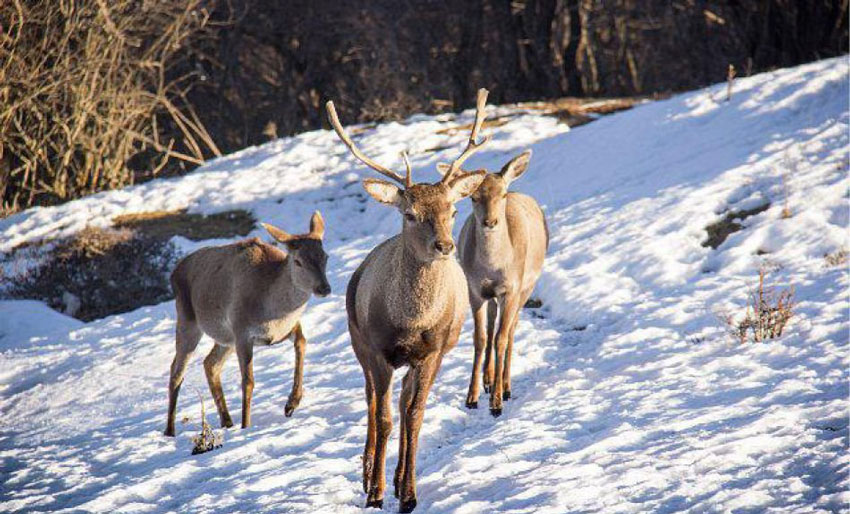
point(629, 396)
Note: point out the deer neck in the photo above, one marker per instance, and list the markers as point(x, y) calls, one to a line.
point(287, 293)
point(495, 250)
point(419, 288)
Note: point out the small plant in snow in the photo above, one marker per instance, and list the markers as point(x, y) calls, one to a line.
point(768, 312)
point(836, 258)
point(208, 439)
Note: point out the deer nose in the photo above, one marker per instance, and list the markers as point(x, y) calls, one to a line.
point(323, 290)
point(444, 247)
point(491, 222)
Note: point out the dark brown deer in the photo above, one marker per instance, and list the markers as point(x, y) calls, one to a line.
point(406, 303)
point(244, 295)
point(501, 247)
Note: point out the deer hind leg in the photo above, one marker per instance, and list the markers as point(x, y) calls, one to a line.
point(492, 313)
point(403, 405)
point(369, 448)
point(188, 335)
point(382, 379)
point(419, 387)
point(508, 308)
point(245, 354)
point(297, 387)
point(212, 367)
point(479, 339)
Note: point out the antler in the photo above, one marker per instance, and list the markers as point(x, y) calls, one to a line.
point(334, 119)
point(471, 146)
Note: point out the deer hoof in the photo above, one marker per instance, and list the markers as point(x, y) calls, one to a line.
point(226, 423)
point(288, 411)
point(407, 505)
point(471, 405)
point(486, 388)
point(169, 432)
point(506, 395)
point(375, 504)
point(496, 412)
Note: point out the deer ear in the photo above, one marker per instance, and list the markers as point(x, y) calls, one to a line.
point(465, 184)
point(382, 191)
point(516, 167)
point(277, 233)
point(317, 225)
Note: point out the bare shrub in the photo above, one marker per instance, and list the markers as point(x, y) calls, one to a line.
point(767, 313)
point(837, 258)
point(88, 88)
point(208, 439)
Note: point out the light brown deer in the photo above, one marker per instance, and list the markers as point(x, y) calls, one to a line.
point(501, 247)
point(244, 295)
point(406, 304)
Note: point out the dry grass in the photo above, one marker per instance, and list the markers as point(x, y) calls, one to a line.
point(837, 258)
point(207, 440)
point(197, 227)
point(768, 312)
point(720, 230)
point(99, 272)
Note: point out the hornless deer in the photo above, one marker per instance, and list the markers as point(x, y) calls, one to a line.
point(501, 247)
point(244, 295)
point(406, 303)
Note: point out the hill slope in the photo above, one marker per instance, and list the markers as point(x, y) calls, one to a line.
point(629, 394)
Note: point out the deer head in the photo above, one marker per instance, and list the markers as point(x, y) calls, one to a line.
point(307, 255)
point(428, 209)
point(490, 198)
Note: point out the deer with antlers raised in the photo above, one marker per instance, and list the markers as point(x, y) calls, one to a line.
point(406, 303)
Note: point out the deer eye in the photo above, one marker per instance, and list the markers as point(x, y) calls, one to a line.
point(454, 214)
point(409, 217)
point(298, 263)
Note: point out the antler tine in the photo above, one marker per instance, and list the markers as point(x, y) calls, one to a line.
point(408, 179)
point(471, 146)
point(334, 119)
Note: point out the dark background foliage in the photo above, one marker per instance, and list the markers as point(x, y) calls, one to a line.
point(256, 69)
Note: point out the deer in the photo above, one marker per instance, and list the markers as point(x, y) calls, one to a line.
point(406, 303)
point(244, 295)
point(501, 248)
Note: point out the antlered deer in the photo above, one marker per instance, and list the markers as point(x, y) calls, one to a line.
point(501, 247)
point(406, 303)
point(243, 295)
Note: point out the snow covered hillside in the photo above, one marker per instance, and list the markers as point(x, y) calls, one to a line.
point(629, 395)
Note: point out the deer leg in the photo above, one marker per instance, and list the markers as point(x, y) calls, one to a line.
point(212, 367)
point(297, 387)
point(492, 312)
point(419, 387)
point(382, 376)
point(369, 448)
point(506, 372)
point(403, 404)
point(188, 335)
point(480, 341)
point(245, 354)
point(508, 310)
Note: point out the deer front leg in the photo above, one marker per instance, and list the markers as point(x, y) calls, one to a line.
point(506, 372)
point(479, 339)
point(212, 367)
point(245, 354)
point(297, 388)
point(492, 312)
point(382, 380)
point(403, 405)
point(419, 387)
point(509, 307)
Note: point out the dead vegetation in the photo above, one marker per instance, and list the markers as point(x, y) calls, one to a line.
point(837, 258)
point(91, 92)
point(197, 227)
point(99, 272)
point(207, 440)
point(103, 271)
point(720, 230)
point(767, 313)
